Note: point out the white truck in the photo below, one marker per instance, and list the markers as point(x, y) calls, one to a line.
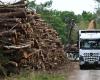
point(89, 48)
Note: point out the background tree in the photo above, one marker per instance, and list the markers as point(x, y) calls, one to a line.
point(98, 14)
point(87, 16)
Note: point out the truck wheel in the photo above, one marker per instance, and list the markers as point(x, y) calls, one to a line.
point(81, 67)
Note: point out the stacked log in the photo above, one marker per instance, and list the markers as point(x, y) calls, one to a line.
point(28, 41)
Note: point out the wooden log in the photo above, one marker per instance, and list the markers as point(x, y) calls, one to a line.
point(21, 14)
point(6, 20)
point(17, 26)
point(14, 6)
point(7, 33)
point(19, 2)
point(17, 46)
point(22, 45)
point(6, 26)
point(5, 10)
point(10, 25)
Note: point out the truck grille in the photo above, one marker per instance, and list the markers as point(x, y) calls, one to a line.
point(91, 54)
point(91, 57)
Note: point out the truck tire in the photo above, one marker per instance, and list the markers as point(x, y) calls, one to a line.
point(81, 67)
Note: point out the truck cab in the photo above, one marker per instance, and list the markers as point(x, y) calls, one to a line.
point(89, 48)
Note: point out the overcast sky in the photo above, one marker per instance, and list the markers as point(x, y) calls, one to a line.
point(70, 5)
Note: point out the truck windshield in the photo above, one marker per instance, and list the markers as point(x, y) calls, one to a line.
point(90, 44)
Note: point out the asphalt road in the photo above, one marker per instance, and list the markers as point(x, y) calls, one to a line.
point(85, 75)
point(90, 74)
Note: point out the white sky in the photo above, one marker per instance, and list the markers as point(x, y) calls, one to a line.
point(69, 5)
point(73, 5)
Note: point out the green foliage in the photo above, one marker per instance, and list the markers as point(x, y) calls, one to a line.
point(98, 14)
point(66, 16)
point(87, 16)
point(47, 4)
point(39, 7)
point(31, 4)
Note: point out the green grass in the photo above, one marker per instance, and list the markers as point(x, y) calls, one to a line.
point(37, 76)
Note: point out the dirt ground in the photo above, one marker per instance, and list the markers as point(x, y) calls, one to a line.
point(67, 69)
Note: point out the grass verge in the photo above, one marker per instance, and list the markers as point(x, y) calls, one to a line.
point(37, 76)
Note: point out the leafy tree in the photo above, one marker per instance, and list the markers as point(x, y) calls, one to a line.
point(87, 16)
point(98, 14)
point(39, 7)
point(66, 16)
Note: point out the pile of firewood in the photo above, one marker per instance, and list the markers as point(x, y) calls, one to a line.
point(27, 41)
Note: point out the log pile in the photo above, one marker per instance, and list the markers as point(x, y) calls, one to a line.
point(27, 40)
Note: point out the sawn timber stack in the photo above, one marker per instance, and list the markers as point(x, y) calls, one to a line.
point(27, 41)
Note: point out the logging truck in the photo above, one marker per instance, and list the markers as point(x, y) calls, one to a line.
point(89, 48)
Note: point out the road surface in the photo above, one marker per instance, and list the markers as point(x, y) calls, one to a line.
point(78, 74)
point(85, 75)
